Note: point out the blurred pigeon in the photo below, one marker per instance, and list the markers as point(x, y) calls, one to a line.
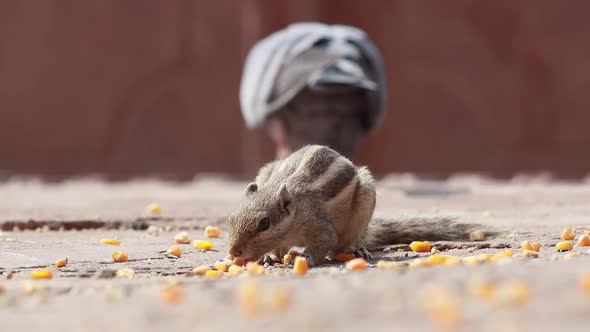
point(325, 81)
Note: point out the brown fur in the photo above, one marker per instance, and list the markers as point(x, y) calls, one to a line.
point(317, 199)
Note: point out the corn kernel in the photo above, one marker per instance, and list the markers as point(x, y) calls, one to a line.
point(235, 270)
point(119, 256)
point(482, 258)
point(125, 273)
point(357, 264)
point(200, 270)
point(42, 274)
point(571, 255)
point(174, 251)
point(444, 309)
point(202, 245)
point(300, 266)
point(484, 290)
point(417, 263)
point(290, 257)
point(172, 293)
point(420, 246)
point(344, 257)
point(514, 292)
point(584, 282)
point(213, 274)
point(477, 236)
point(254, 268)
point(385, 265)
point(182, 238)
point(536, 246)
point(526, 245)
point(239, 261)
point(248, 299)
point(569, 233)
point(212, 231)
point(221, 266)
point(115, 242)
point(281, 299)
point(154, 208)
point(530, 253)
point(61, 262)
point(584, 241)
point(502, 255)
point(564, 246)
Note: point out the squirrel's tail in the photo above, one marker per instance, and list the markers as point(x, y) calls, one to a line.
point(397, 231)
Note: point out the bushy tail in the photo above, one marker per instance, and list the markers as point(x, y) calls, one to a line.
point(397, 231)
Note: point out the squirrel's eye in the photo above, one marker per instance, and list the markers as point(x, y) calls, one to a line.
point(263, 225)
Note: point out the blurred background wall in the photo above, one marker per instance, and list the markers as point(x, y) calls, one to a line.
point(132, 88)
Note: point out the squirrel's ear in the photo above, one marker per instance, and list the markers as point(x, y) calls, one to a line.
point(251, 188)
point(285, 199)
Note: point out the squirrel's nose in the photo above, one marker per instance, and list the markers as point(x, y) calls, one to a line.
point(235, 252)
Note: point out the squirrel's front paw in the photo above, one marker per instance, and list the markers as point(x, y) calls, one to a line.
point(310, 261)
point(269, 259)
point(363, 252)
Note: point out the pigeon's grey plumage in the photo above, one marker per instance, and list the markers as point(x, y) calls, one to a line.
point(306, 58)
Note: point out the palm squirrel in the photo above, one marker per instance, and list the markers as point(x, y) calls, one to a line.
point(317, 199)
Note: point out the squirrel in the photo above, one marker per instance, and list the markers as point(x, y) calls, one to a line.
point(318, 199)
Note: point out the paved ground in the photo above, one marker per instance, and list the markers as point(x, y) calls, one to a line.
point(72, 217)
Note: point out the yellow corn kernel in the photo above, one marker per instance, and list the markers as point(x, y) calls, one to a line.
point(254, 268)
point(202, 245)
point(172, 293)
point(504, 254)
point(61, 262)
point(536, 246)
point(451, 260)
point(213, 274)
point(125, 273)
point(248, 299)
point(584, 241)
point(300, 266)
point(444, 309)
point(357, 264)
point(584, 282)
point(385, 265)
point(235, 270)
point(564, 246)
point(212, 231)
point(182, 238)
point(344, 257)
point(526, 245)
point(281, 299)
point(477, 236)
point(530, 253)
point(174, 251)
point(417, 263)
point(435, 259)
point(42, 274)
point(568, 233)
point(482, 258)
point(290, 257)
point(484, 290)
point(115, 242)
point(514, 292)
point(221, 266)
point(200, 270)
point(154, 208)
point(420, 246)
point(571, 255)
point(119, 256)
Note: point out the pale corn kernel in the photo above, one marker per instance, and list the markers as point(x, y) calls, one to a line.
point(154, 208)
point(254, 268)
point(514, 292)
point(300, 266)
point(417, 263)
point(235, 270)
point(212, 231)
point(290, 257)
point(420, 246)
point(28, 287)
point(174, 251)
point(42, 274)
point(357, 264)
point(536, 246)
point(119, 256)
point(342, 258)
point(200, 270)
point(435, 259)
point(213, 274)
point(481, 258)
point(502, 255)
point(172, 293)
point(281, 299)
point(584, 241)
point(221, 266)
point(61, 262)
point(572, 255)
point(564, 246)
point(202, 245)
point(526, 245)
point(125, 273)
point(434, 251)
point(182, 238)
point(569, 233)
point(452, 260)
point(385, 265)
point(115, 242)
point(484, 290)
point(584, 282)
point(248, 299)
point(444, 309)
point(530, 253)
point(477, 236)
